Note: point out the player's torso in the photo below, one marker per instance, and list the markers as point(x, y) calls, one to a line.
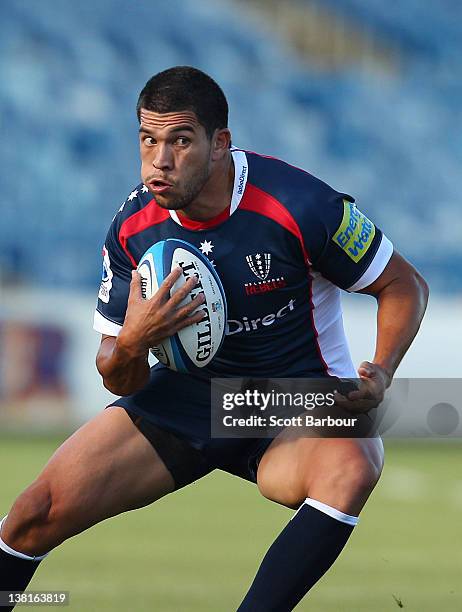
point(267, 284)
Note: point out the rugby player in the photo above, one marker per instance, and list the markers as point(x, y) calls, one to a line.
point(284, 243)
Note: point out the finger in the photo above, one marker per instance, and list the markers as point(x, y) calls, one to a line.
point(135, 286)
point(366, 369)
point(188, 309)
point(183, 292)
point(187, 315)
point(341, 401)
point(358, 406)
point(357, 397)
point(191, 320)
point(361, 393)
point(168, 282)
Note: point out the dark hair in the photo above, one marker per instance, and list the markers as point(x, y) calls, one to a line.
point(185, 88)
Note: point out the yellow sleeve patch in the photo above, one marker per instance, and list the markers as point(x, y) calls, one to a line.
point(356, 232)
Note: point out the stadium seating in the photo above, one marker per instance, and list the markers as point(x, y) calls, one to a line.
point(427, 30)
point(68, 152)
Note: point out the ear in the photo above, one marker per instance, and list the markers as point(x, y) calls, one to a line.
point(221, 141)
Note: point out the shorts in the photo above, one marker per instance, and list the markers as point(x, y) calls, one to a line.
point(173, 413)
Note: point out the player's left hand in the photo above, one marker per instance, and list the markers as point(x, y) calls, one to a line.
point(374, 381)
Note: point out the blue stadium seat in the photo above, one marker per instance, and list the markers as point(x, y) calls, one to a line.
point(68, 146)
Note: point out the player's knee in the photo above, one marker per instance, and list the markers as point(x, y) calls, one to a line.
point(350, 481)
point(31, 508)
point(27, 518)
point(359, 476)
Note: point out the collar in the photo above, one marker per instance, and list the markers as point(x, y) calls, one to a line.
point(240, 181)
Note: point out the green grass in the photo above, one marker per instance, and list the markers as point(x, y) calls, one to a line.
point(197, 550)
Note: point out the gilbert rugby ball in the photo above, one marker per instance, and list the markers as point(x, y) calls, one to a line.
point(196, 345)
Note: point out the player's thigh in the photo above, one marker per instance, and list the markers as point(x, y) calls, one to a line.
point(334, 469)
point(106, 467)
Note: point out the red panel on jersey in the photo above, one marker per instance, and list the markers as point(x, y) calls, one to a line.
point(198, 225)
point(263, 203)
point(151, 214)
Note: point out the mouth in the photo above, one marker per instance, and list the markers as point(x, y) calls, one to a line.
point(159, 186)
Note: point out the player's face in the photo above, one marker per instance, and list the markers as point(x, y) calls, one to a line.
point(175, 157)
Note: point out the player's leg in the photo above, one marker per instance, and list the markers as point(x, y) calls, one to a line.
point(105, 468)
point(329, 481)
point(341, 472)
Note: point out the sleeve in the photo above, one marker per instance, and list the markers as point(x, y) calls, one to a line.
point(115, 286)
point(345, 246)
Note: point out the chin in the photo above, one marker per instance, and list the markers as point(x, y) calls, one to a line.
point(169, 205)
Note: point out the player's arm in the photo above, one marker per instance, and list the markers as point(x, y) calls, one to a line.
point(122, 361)
point(122, 373)
point(402, 296)
point(349, 250)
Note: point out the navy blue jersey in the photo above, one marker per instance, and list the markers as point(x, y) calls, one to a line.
point(284, 246)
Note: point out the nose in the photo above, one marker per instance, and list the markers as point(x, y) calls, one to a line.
point(163, 158)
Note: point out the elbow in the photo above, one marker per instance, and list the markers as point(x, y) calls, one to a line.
point(107, 383)
point(122, 388)
point(422, 287)
point(118, 389)
point(111, 388)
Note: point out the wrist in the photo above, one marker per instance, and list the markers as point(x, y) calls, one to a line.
point(127, 348)
point(387, 371)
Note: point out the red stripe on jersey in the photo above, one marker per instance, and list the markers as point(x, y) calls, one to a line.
point(262, 203)
point(198, 225)
point(151, 214)
point(279, 160)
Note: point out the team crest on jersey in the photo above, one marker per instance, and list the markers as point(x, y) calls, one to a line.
point(106, 280)
point(356, 232)
point(260, 264)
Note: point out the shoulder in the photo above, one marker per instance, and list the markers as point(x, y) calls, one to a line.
point(296, 189)
point(138, 212)
point(138, 198)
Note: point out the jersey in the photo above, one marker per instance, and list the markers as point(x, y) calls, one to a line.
point(283, 248)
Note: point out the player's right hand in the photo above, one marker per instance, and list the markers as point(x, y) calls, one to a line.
point(374, 381)
point(148, 322)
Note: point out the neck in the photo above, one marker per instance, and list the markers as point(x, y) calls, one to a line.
point(216, 194)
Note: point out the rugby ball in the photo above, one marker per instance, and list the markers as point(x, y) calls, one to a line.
point(196, 345)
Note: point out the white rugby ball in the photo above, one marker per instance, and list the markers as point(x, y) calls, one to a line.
point(196, 345)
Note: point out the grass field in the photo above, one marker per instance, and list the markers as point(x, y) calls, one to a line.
point(197, 550)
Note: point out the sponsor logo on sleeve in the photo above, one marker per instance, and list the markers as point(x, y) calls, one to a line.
point(106, 281)
point(356, 232)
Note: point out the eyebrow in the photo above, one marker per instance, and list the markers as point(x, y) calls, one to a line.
point(180, 128)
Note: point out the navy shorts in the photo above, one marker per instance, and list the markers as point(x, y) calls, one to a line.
point(173, 412)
